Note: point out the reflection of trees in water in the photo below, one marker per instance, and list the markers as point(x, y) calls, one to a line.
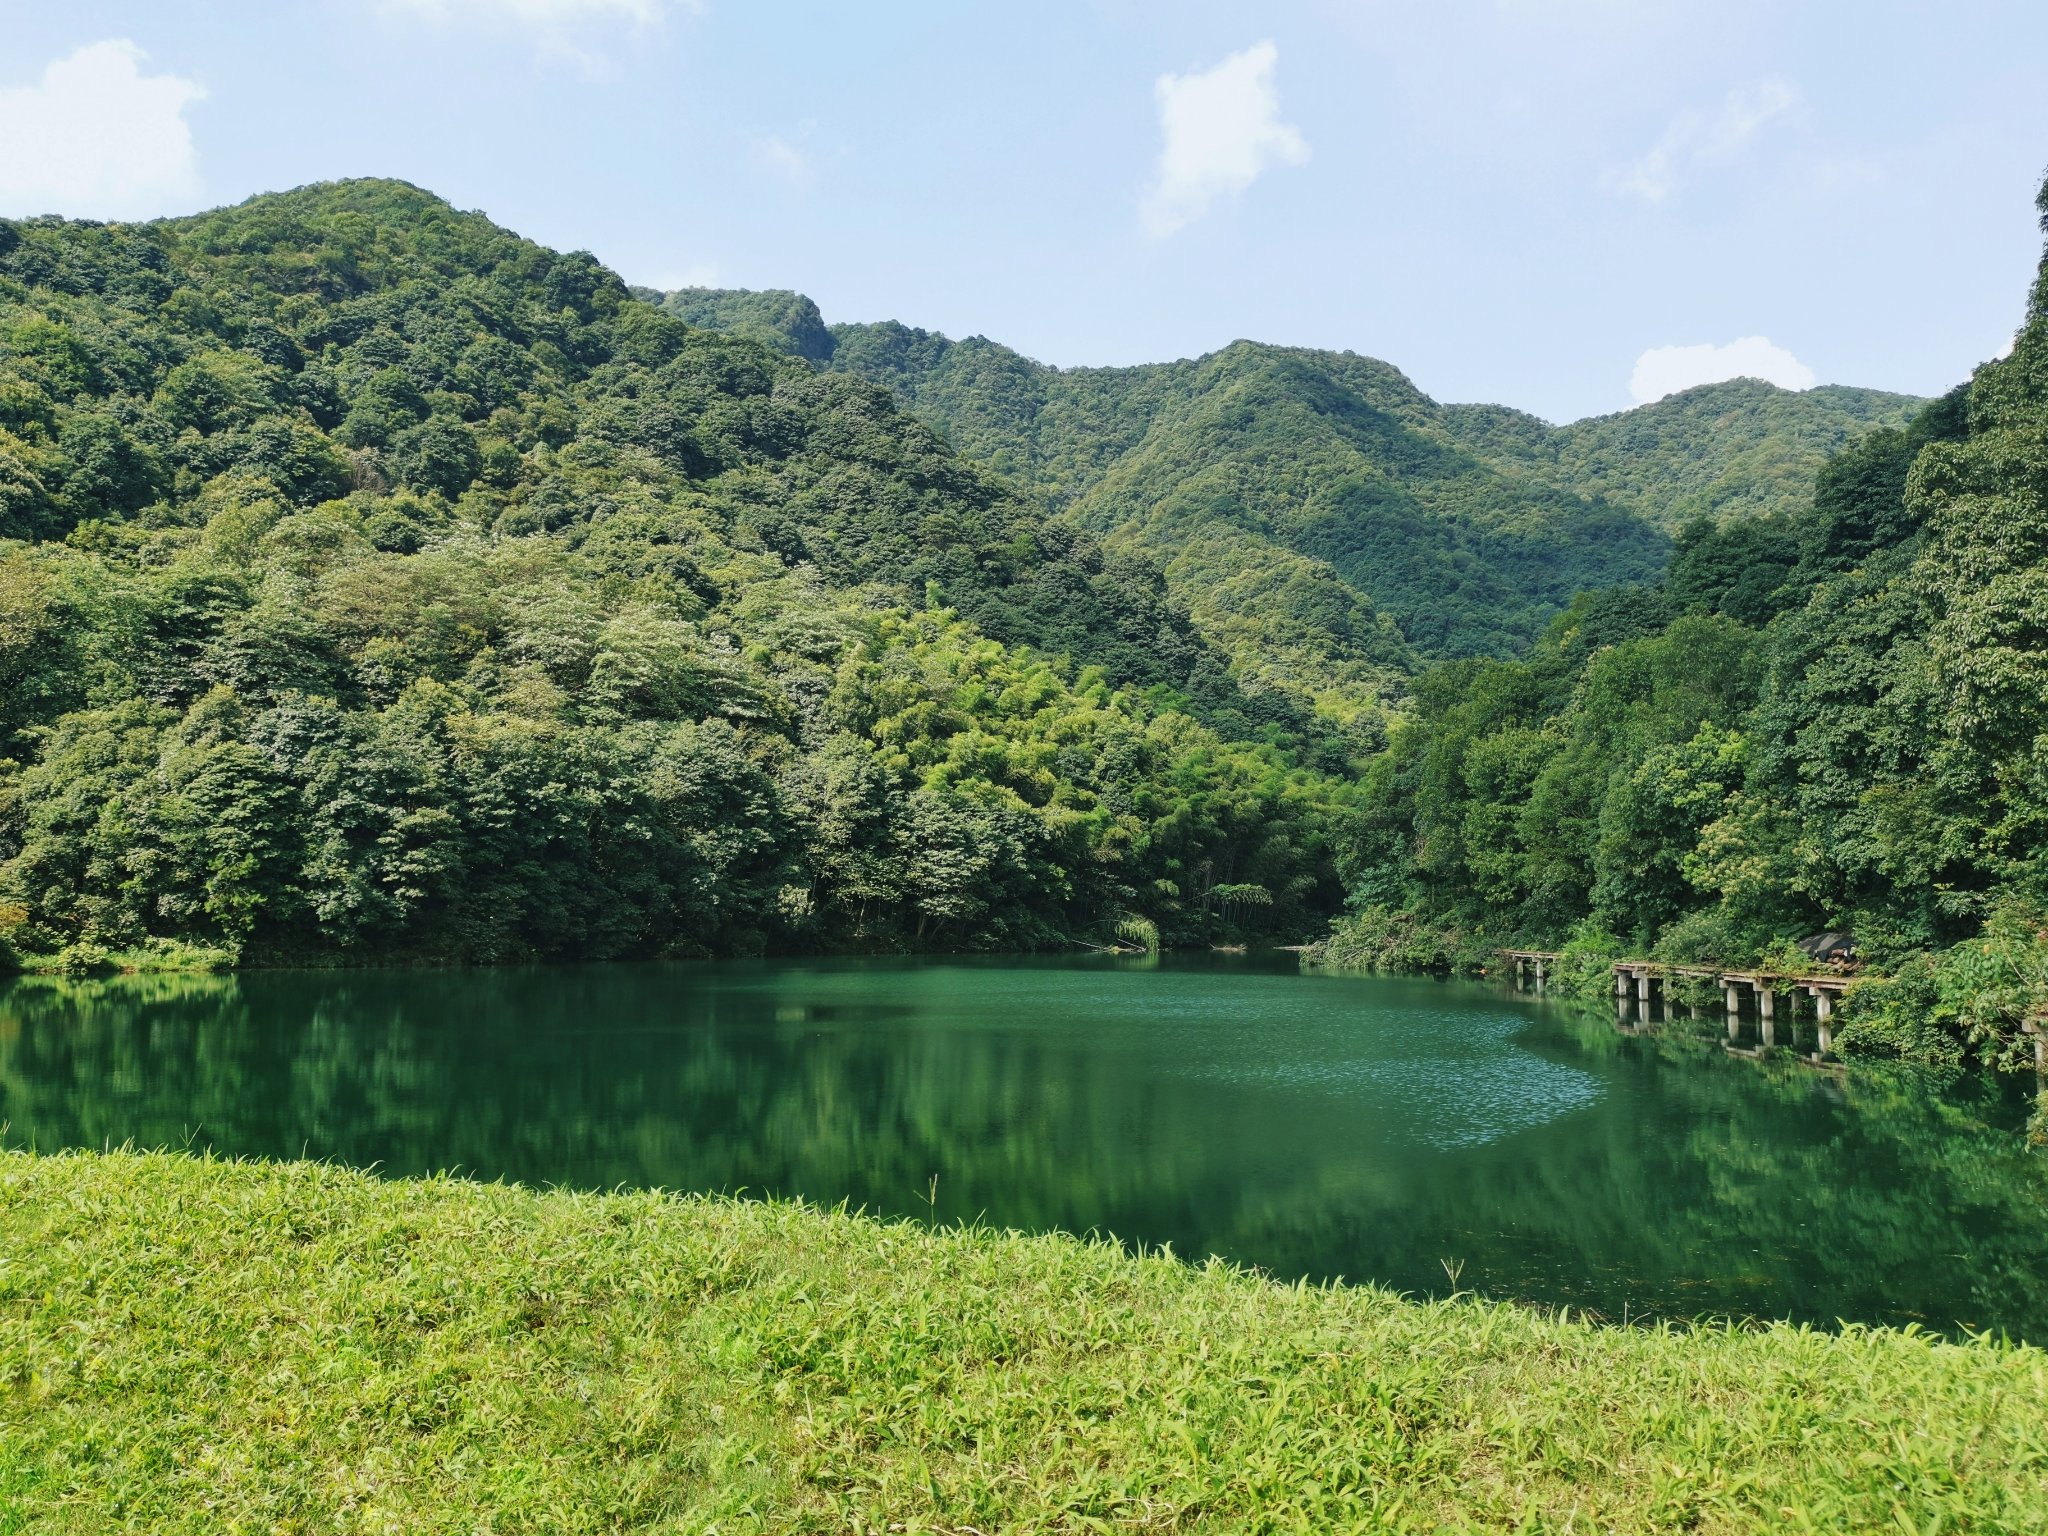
point(1693, 1184)
point(568, 1077)
point(1889, 1193)
point(1742, 1190)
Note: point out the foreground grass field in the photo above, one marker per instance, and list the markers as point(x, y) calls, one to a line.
point(192, 1346)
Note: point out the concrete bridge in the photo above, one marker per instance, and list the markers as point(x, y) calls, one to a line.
point(1642, 990)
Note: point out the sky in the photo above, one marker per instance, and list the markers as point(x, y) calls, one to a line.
point(1570, 206)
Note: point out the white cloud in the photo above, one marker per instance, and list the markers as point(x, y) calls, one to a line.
point(1221, 130)
point(540, 13)
point(1696, 138)
point(781, 158)
point(697, 274)
point(559, 28)
point(97, 138)
point(1664, 371)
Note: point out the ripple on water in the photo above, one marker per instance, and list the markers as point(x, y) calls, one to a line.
point(1427, 1079)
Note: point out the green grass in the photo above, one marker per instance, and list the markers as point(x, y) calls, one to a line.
point(192, 1346)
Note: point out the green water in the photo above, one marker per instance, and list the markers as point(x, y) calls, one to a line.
point(1313, 1125)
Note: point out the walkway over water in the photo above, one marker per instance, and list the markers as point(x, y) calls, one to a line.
point(1648, 985)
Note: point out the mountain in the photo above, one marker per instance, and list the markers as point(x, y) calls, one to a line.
point(1298, 499)
point(377, 584)
point(1743, 448)
point(775, 317)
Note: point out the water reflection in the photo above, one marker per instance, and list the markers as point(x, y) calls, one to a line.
point(1313, 1125)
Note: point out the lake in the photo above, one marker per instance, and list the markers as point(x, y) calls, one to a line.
point(1398, 1131)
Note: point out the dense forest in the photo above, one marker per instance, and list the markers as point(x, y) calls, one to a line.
point(1741, 448)
point(376, 584)
point(1836, 718)
point(1312, 508)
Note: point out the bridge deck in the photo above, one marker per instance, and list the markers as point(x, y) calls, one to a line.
point(1783, 981)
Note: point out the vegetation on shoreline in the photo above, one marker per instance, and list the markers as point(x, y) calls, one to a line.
point(376, 585)
point(195, 1346)
point(1833, 720)
point(89, 959)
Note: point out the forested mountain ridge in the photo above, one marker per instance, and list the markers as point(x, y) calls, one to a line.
point(1743, 448)
point(1331, 465)
point(1279, 486)
point(375, 583)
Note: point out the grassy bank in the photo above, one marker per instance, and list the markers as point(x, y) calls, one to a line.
point(192, 1346)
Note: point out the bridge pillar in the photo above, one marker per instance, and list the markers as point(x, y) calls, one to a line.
point(1765, 1025)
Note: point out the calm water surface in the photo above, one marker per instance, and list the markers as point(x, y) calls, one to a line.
point(1313, 1125)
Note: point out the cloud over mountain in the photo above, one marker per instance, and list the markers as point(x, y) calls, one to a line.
point(98, 138)
point(1662, 371)
point(1220, 130)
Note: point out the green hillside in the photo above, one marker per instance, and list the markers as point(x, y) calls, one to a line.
point(1829, 720)
point(1299, 499)
point(1332, 467)
point(375, 583)
point(775, 317)
point(1739, 448)
point(1743, 448)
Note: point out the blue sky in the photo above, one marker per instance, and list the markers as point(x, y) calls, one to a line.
point(1562, 205)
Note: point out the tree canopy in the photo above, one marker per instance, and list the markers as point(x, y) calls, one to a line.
point(1321, 518)
point(376, 583)
point(1834, 718)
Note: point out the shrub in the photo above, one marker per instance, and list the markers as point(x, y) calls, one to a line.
point(1895, 1015)
point(1585, 966)
point(1706, 937)
point(1976, 997)
point(1383, 938)
point(82, 959)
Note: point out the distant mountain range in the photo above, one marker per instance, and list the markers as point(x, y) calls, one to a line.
point(1299, 500)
